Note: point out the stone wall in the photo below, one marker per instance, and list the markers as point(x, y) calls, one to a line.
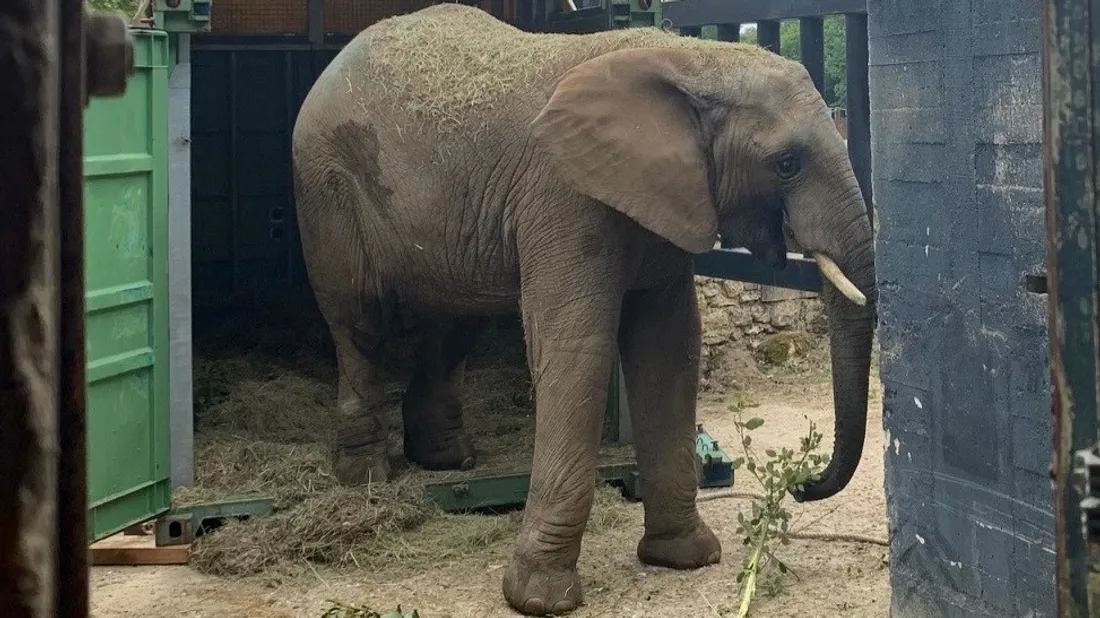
point(738, 317)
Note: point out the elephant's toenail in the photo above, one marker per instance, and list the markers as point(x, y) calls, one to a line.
point(563, 606)
point(534, 606)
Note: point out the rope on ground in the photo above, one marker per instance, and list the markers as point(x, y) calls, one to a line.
point(719, 494)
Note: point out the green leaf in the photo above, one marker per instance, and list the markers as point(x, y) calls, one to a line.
point(754, 423)
point(737, 463)
point(770, 452)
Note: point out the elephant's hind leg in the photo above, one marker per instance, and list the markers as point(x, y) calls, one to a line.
point(659, 342)
point(432, 406)
point(362, 447)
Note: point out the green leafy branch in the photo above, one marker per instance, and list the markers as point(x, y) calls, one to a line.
point(768, 524)
point(343, 610)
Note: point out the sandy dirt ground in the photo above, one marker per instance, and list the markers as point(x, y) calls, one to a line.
point(831, 578)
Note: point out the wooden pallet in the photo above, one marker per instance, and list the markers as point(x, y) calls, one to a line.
point(136, 550)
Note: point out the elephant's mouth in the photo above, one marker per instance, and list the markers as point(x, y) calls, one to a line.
point(761, 230)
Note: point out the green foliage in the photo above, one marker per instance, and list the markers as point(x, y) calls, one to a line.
point(768, 523)
point(341, 610)
point(125, 8)
point(790, 46)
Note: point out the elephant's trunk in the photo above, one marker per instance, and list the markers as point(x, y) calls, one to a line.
point(851, 331)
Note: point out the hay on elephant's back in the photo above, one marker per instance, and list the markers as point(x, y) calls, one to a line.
point(429, 63)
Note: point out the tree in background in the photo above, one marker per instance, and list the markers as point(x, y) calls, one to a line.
point(836, 93)
point(124, 8)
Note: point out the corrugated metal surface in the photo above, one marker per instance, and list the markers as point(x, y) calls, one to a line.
point(126, 266)
point(244, 103)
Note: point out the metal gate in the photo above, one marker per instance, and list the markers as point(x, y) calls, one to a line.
point(126, 273)
point(245, 97)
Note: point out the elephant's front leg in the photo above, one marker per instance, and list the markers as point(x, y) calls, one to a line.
point(570, 346)
point(660, 341)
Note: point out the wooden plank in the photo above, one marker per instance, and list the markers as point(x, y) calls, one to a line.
point(1071, 188)
point(130, 550)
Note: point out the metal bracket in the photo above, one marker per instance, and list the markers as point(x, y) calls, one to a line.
point(510, 490)
point(714, 467)
point(182, 525)
point(1086, 473)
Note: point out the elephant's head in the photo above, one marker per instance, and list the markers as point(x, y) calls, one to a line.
point(721, 139)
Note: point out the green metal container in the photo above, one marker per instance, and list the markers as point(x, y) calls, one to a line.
point(126, 270)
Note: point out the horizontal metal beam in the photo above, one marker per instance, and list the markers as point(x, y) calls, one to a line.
point(262, 42)
point(689, 13)
point(801, 273)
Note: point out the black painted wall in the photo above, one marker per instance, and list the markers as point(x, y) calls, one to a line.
point(956, 131)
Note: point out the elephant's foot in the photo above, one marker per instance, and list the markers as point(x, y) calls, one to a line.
point(540, 591)
point(450, 452)
point(362, 465)
point(691, 550)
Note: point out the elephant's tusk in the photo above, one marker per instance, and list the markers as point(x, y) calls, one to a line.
point(833, 273)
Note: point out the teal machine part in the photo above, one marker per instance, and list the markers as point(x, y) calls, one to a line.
point(714, 467)
point(182, 16)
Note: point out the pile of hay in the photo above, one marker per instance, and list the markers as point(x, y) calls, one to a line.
point(263, 421)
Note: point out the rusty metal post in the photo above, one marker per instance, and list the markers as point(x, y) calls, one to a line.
point(29, 245)
point(1070, 184)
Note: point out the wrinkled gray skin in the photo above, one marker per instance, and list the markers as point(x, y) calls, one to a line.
point(582, 203)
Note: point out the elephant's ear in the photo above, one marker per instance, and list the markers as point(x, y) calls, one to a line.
point(622, 130)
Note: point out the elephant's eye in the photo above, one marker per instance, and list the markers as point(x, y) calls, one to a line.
point(788, 165)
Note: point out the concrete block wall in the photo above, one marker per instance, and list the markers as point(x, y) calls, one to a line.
point(956, 140)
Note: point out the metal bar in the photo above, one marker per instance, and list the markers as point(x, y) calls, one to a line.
point(204, 40)
point(525, 14)
point(289, 217)
point(767, 35)
point(801, 272)
point(181, 299)
point(541, 17)
point(234, 199)
point(29, 244)
point(859, 105)
point(706, 12)
point(1070, 182)
point(729, 32)
point(811, 42)
point(71, 516)
point(232, 47)
point(315, 18)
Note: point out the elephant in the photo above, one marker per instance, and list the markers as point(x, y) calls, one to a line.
point(449, 167)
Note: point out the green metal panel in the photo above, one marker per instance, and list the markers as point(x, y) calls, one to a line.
point(126, 269)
